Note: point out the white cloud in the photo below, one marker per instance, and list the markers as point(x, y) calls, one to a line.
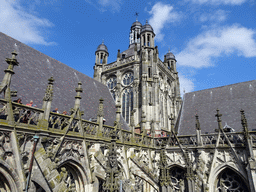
point(104, 5)
point(218, 2)
point(186, 84)
point(15, 22)
point(201, 50)
point(161, 15)
point(218, 16)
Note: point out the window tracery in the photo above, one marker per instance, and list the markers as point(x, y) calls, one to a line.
point(128, 78)
point(127, 104)
point(177, 176)
point(229, 181)
point(111, 82)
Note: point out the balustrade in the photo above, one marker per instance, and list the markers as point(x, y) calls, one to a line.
point(58, 121)
point(26, 114)
point(90, 128)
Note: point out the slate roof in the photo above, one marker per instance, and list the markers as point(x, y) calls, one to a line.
point(228, 99)
point(130, 51)
point(34, 70)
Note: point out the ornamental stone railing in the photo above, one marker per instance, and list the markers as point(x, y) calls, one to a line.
point(122, 61)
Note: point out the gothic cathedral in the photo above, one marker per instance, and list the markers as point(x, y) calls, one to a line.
point(147, 88)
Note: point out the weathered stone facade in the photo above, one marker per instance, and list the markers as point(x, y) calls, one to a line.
point(140, 82)
point(45, 151)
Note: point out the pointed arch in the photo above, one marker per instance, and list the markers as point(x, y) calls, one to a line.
point(9, 179)
point(218, 171)
point(177, 176)
point(127, 103)
point(76, 175)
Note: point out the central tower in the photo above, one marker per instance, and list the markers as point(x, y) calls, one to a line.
point(147, 88)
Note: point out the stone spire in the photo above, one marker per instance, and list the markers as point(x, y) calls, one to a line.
point(8, 73)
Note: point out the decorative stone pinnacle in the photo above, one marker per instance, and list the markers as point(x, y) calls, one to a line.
point(12, 61)
point(100, 110)
point(243, 120)
point(118, 54)
point(50, 80)
point(14, 54)
point(197, 123)
point(218, 115)
point(49, 90)
point(79, 89)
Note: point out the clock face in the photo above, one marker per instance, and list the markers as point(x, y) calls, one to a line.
point(111, 83)
point(128, 78)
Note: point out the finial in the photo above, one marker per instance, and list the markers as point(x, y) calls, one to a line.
point(218, 115)
point(197, 123)
point(243, 120)
point(146, 21)
point(100, 109)
point(14, 54)
point(51, 80)
point(137, 14)
point(79, 90)
point(102, 41)
point(169, 50)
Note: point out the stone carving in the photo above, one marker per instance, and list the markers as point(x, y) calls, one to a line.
point(5, 146)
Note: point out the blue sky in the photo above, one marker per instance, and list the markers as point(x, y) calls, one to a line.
point(214, 41)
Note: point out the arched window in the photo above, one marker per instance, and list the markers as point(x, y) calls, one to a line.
point(127, 104)
point(177, 176)
point(149, 72)
point(111, 82)
point(128, 78)
point(229, 180)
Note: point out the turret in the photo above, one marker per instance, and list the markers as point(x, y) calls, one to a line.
point(135, 33)
point(101, 59)
point(147, 36)
point(170, 61)
point(101, 54)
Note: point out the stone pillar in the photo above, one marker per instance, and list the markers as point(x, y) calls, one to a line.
point(78, 97)
point(47, 102)
point(135, 36)
point(198, 132)
point(166, 111)
point(157, 118)
point(251, 162)
point(100, 115)
point(5, 86)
